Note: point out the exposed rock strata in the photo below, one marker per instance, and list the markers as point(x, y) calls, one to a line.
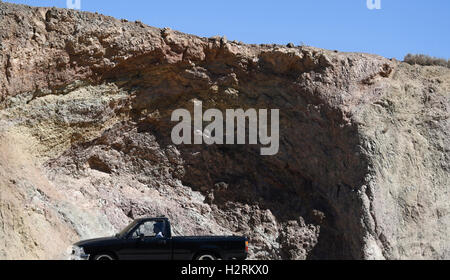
point(85, 104)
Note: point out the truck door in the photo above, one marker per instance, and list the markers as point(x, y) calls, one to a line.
point(151, 244)
point(154, 248)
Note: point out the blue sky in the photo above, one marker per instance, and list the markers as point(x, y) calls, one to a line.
point(400, 27)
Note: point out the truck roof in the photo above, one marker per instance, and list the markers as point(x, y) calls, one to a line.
point(152, 218)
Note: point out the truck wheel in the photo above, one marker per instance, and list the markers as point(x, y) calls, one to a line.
point(103, 257)
point(205, 257)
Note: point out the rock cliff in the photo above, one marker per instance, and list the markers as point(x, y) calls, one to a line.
point(85, 107)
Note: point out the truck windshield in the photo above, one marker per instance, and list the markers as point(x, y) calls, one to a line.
point(127, 229)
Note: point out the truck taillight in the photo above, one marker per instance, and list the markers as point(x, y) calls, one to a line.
point(246, 246)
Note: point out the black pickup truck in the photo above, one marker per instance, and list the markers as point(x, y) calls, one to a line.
point(151, 239)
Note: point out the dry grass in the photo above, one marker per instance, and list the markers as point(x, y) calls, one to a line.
point(426, 60)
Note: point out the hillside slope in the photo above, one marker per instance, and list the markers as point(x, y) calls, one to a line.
point(85, 106)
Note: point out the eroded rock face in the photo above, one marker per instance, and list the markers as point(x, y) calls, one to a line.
point(86, 100)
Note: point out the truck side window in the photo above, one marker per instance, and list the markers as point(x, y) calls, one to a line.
point(146, 229)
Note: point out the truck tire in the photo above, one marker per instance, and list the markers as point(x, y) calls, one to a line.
point(103, 257)
point(205, 257)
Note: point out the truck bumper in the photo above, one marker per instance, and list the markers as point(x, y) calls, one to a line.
point(77, 254)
